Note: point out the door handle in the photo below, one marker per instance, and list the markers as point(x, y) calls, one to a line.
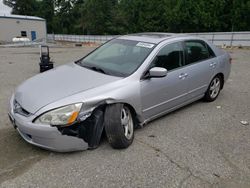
point(212, 65)
point(183, 75)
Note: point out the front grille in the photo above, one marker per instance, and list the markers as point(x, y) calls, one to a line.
point(20, 110)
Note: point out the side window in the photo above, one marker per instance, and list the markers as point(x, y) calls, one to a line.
point(196, 51)
point(211, 52)
point(170, 57)
point(23, 33)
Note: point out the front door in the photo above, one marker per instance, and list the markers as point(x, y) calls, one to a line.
point(161, 94)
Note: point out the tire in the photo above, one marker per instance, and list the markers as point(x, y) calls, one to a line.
point(214, 88)
point(119, 126)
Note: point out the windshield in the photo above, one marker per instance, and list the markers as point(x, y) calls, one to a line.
point(118, 57)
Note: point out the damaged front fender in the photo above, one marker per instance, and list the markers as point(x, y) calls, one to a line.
point(90, 130)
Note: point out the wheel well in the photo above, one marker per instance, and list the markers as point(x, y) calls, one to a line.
point(134, 114)
point(221, 75)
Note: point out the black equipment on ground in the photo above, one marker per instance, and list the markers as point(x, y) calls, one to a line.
point(45, 63)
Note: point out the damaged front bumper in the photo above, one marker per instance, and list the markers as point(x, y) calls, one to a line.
point(45, 136)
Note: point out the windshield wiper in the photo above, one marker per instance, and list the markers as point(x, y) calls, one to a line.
point(98, 69)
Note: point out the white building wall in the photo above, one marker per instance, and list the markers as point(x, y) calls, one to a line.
point(12, 27)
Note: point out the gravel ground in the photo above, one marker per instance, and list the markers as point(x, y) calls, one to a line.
point(200, 145)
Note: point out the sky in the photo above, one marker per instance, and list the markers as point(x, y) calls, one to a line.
point(4, 9)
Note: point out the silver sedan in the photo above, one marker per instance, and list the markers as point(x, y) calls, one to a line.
point(121, 85)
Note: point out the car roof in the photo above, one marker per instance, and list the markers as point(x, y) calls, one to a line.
point(154, 37)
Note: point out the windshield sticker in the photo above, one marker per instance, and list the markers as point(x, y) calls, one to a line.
point(145, 45)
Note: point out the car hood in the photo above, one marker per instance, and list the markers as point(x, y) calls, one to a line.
point(58, 83)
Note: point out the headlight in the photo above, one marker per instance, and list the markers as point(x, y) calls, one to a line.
point(61, 116)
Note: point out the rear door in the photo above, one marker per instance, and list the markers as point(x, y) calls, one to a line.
point(162, 94)
point(200, 63)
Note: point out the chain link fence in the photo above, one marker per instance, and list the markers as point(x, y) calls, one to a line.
point(218, 38)
point(81, 38)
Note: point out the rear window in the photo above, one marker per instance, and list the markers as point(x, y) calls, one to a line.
point(197, 51)
point(211, 52)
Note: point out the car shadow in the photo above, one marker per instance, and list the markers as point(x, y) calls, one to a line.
point(17, 156)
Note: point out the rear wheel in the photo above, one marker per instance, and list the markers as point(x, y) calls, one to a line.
point(119, 125)
point(214, 88)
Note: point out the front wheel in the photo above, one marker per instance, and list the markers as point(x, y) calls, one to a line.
point(213, 90)
point(119, 125)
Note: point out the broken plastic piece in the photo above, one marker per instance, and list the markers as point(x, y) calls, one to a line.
point(244, 122)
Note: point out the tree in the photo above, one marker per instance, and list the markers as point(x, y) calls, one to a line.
point(240, 17)
point(99, 16)
point(46, 11)
point(129, 16)
point(23, 7)
point(78, 12)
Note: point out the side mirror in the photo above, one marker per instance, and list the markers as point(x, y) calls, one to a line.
point(157, 72)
